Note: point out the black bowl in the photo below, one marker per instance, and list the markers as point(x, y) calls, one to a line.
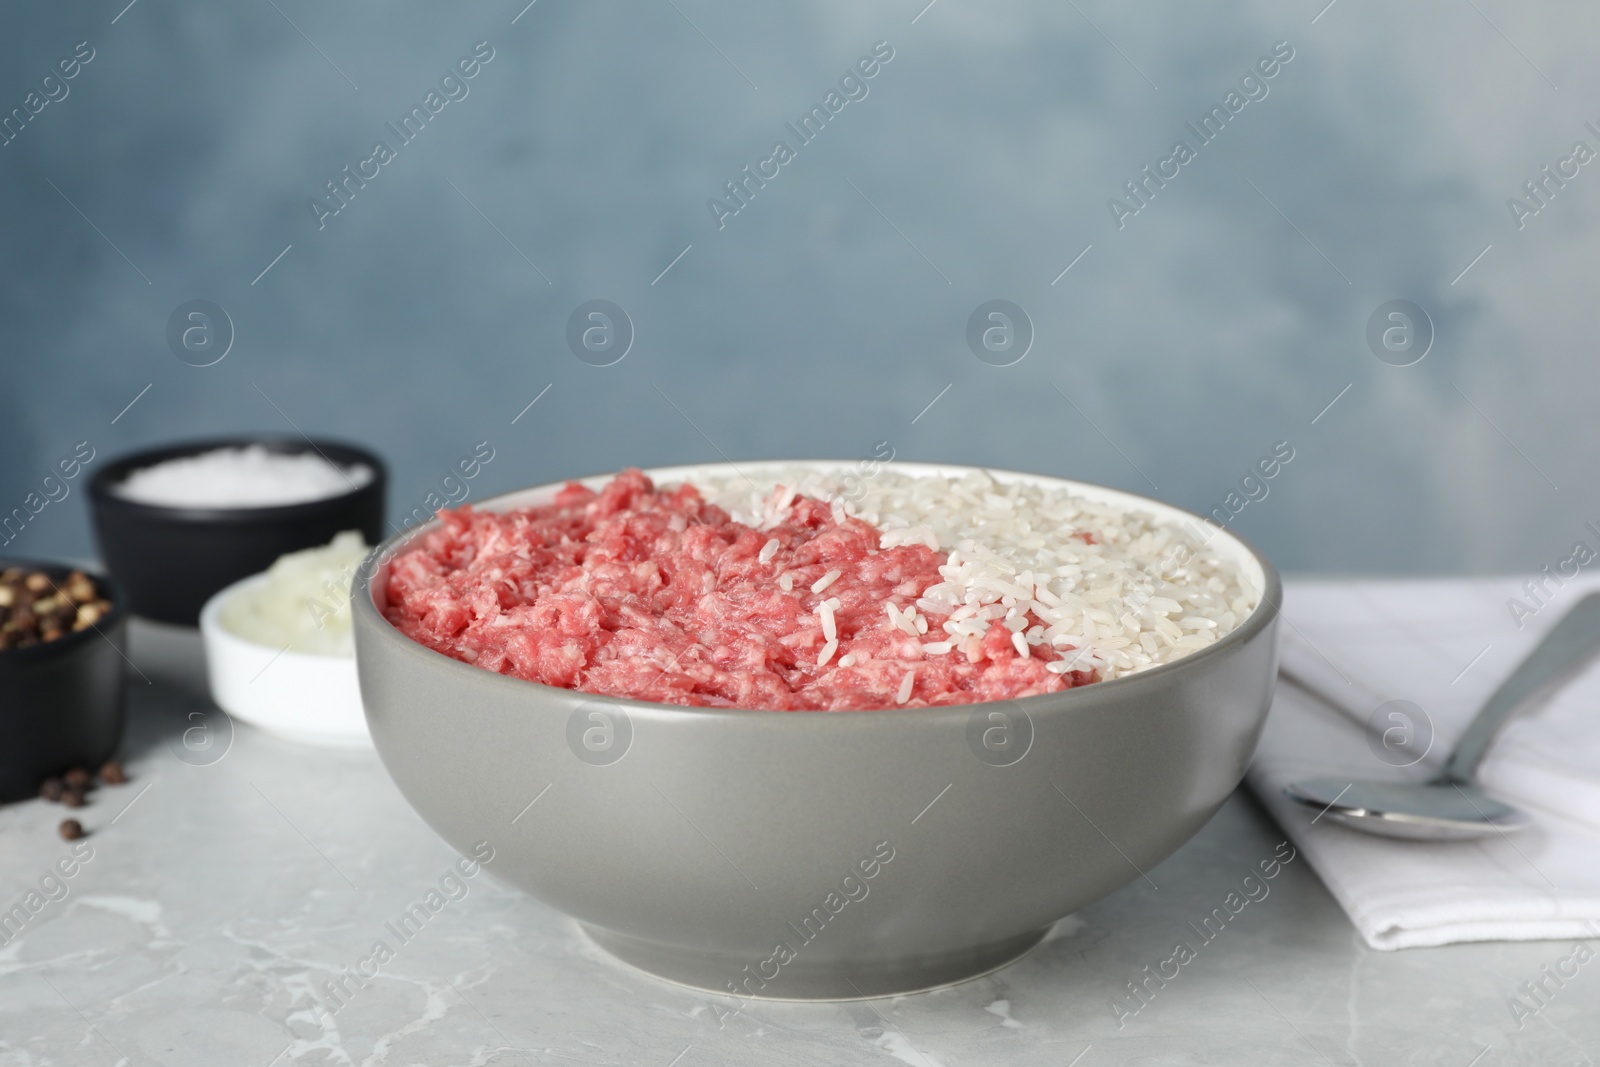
point(61, 700)
point(171, 559)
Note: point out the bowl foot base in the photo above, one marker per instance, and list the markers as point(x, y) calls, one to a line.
point(803, 979)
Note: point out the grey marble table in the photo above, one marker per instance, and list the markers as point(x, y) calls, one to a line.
point(219, 898)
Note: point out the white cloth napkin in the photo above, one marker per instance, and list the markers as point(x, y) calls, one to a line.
point(1445, 646)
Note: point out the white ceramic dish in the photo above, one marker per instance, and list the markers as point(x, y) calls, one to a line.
point(304, 697)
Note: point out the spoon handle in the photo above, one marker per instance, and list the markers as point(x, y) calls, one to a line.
point(1571, 644)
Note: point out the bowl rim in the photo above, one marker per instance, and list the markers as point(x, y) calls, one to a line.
point(1268, 607)
point(73, 639)
point(102, 493)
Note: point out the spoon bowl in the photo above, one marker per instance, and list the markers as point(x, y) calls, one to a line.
point(1431, 811)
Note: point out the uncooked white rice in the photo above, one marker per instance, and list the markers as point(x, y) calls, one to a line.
point(1144, 593)
point(825, 612)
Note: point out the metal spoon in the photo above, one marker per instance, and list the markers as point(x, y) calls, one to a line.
point(1450, 807)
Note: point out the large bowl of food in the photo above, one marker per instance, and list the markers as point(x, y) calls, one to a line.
point(817, 730)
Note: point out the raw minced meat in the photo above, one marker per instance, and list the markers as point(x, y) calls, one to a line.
point(658, 595)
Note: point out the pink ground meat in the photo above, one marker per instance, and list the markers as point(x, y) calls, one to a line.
point(658, 595)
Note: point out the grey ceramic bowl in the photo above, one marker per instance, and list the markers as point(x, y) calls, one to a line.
point(812, 855)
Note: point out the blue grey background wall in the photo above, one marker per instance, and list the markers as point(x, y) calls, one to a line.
point(1179, 312)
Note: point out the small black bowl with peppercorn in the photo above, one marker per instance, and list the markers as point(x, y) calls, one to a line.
point(62, 634)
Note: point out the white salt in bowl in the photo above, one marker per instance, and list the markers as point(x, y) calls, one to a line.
point(170, 559)
point(302, 696)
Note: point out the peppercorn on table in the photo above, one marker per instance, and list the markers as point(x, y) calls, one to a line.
point(243, 900)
